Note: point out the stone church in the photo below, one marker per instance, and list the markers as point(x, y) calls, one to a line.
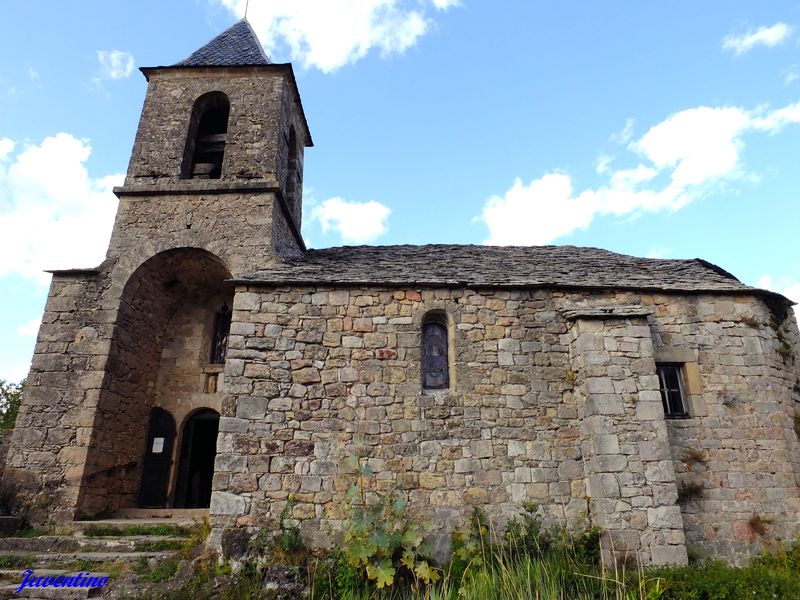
point(213, 362)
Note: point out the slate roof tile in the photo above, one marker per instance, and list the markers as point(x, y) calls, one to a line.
point(498, 266)
point(236, 46)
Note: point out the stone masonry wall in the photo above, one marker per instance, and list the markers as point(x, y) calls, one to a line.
point(48, 447)
point(629, 472)
point(311, 372)
point(741, 424)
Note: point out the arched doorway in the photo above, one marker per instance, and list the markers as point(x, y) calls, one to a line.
point(196, 462)
point(157, 460)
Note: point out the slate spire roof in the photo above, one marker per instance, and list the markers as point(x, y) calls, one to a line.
point(237, 46)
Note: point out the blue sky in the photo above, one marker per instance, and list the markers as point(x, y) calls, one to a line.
point(655, 129)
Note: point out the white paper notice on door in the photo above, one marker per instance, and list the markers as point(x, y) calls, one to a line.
point(158, 445)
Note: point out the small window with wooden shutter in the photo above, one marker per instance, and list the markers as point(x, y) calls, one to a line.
point(435, 355)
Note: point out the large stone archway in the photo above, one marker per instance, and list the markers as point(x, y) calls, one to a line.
point(151, 312)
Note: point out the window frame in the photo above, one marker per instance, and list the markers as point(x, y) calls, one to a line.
point(220, 334)
point(430, 321)
point(667, 393)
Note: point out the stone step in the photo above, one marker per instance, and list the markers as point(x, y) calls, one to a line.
point(10, 582)
point(163, 513)
point(62, 543)
point(26, 560)
point(184, 523)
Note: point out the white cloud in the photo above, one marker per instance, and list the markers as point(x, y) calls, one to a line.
point(356, 222)
point(685, 156)
point(629, 178)
point(14, 373)
point(6, 147)
point(774, 121)
point(792, 292)
point(603, 163)
point(115, 64)
point(658, 252)
point(624, 135)
point(30, 328)
point(786, 287)
point(328, 34)
point(53, 215)
point(763, 36)
point(537, 213)
point(701, 143)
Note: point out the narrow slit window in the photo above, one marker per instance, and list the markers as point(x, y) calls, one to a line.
point(435, 356)
point(673, 395)
point(222, 329)
point(291, 170)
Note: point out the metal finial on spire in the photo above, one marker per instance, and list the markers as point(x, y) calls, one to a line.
point(246, 6)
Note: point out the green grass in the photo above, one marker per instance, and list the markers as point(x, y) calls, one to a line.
point(16, 561)
point(158, 546)
point(503, 575)
point(27, 533)
point(113, 530)
point(162, 571)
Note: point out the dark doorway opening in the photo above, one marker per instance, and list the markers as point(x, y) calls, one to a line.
point(196, 466)
point(157, 460)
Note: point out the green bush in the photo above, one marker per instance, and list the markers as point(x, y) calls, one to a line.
point(10, 401)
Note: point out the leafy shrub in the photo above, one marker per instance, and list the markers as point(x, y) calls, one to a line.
point(380, 539)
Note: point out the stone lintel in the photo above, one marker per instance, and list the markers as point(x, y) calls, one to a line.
point(198, 186)
point(606, 312)
point(90, 272)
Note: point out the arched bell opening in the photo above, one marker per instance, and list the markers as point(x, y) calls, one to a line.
point(206, 137)
point(159, 358)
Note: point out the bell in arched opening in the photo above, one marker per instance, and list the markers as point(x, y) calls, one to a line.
point(208, 132)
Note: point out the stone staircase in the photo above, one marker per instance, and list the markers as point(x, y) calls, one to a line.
point(105, 548)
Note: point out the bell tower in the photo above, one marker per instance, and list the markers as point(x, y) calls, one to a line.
point(133, 348)
point(218, 158)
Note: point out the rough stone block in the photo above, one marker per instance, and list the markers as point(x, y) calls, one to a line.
point(605, 443)
point(224, 503)
point(604, 404)
point(252, 408)
point(669, 555)
point(665, 517)
point(481, 449)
